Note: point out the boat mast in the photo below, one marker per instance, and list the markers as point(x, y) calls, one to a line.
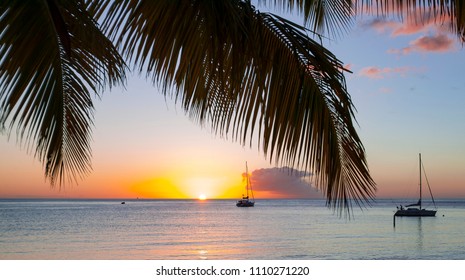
point(419, 155)
point(247, 178)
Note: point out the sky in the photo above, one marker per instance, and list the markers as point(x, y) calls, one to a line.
point(406, 84)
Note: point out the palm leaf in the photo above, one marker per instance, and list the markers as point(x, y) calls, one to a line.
point(53, 56)
point(321, 16)
point(242, 71)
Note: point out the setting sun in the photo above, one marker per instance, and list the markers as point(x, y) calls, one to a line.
point(202, 197)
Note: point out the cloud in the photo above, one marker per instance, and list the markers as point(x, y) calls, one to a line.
point(381, 25)
point(374, 72)
point(385, 90)
point(396, 28)
point(282, 183)
point(439, 43)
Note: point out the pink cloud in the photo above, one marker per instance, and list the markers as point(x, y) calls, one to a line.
point(385, 90)
point(396, 28)
point(409, 29)
point(382, 25)
point(425, 24)
point(439, 43)
point(374, 72)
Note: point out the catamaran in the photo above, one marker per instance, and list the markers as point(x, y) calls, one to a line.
point(414, 209)
point(246, 201)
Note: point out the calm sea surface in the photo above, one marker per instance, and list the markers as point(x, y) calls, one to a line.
point(217, 229)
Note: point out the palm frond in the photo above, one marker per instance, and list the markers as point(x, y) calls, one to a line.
point(52, 57)
point(309, 118)
point(321, 16)
point(243, 71)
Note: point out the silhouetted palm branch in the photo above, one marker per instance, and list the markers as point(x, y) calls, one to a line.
point(52, 56)
point(322, 16)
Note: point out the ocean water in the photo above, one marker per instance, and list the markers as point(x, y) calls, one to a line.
point(217, 229)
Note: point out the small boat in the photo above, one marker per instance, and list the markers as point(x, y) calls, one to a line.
point(122, 202)
point(246, 201)
point(414, 209)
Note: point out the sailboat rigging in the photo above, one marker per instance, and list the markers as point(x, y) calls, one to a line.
point(414, 209)
point(245, 201)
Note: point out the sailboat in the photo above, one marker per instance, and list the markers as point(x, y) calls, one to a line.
point(415, 210)
point(245, 201)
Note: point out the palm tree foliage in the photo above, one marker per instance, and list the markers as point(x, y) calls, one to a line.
point(52, 55)
point(240, 70)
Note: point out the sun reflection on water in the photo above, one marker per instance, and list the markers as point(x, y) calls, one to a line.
point(203, 254)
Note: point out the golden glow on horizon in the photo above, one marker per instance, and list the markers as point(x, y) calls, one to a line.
point(214, 181)
point(158, 188)
point(211, 187)
point(182, 185)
